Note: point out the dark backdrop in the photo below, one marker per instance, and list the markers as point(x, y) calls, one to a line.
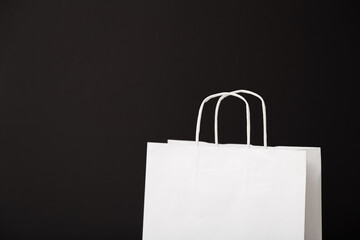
point(85, 84)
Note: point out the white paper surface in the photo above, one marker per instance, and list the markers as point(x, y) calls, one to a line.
point(215, 192)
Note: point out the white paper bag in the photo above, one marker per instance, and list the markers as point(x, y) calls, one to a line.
point(313, 215)
point(209, 191)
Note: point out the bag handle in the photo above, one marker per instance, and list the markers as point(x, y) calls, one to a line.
point(198, 122)
point(236, 92)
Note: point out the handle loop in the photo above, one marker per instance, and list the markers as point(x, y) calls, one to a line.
point(198, 122)
point(236, 92)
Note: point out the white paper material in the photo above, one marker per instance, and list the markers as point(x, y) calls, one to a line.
point(208, 192)
point(313, 213)
point(197, 190)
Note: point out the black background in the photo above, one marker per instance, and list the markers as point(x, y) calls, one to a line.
point(85, 84)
